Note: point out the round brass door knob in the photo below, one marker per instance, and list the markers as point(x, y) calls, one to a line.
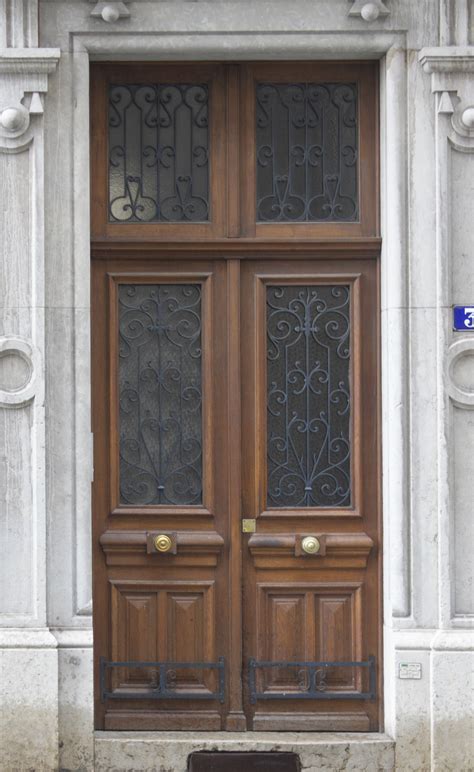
point(310, 545)
point(163, 543)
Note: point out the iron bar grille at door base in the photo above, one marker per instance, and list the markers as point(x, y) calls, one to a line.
point(312, 683)
point(165, 677)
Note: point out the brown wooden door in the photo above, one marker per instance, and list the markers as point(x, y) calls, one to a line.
point(236, 501)
point(310, 459)
point(161, 411)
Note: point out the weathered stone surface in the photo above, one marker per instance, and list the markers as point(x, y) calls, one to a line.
point(168, 752)
point(29, 738)
point(76, 751)
point(427, 150)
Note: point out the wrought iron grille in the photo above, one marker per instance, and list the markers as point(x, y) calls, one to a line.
point(312, 681)
point(159, 153)
point(308, 396)
point(160, 398)
point(307, 145)
point(163, 682)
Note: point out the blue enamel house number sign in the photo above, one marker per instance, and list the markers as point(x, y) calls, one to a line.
point(463, 317)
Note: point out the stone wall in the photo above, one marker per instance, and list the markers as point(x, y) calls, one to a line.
point(427, 158)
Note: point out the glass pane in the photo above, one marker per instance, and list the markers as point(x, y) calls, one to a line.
point(160, 394)
point(308, 396)
point(307, 152)
point(158, 153)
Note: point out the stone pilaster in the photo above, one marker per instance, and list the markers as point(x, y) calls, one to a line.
point(28, 650)
point(452, 84)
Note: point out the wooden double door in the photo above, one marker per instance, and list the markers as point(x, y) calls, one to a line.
point(236, 495)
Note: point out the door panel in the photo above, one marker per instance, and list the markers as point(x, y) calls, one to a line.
point(173, 621)
point(310, 469)
point(266, 396)
point(161, 479)
point(159, 155)
point(310, 135)
point(161, 360)
point(236, 496)
point(179, 609)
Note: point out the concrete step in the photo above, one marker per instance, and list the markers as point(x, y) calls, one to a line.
point(169, 751)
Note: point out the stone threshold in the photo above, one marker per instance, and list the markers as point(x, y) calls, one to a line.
point(169, 751)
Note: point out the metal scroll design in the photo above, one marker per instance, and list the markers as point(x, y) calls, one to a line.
point(158, 153)
point(160, 399)
point(312, 680)
point(163, 684)
point(308, 396)
point(307, 148)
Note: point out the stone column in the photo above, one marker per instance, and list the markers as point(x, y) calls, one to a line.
point(429, 448)
point(28, 650)
point(452, 84)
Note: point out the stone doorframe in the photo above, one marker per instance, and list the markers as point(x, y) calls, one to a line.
point(47, 629)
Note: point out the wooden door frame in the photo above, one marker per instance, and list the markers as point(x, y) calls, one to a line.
point(236, 244)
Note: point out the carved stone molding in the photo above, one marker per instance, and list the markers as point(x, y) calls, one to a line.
point(29, 61)
point(451, 71)
point(460, 394)
point(447, 59)
point(110, 12)
point(26, 80)
point(368, 11)
point(25, 391)
point(463, 119)
point(18, 23)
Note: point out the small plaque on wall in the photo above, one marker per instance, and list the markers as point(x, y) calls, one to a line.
point(463, 318)
point(409, 670)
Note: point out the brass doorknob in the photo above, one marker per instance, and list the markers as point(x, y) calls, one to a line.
point(310, 545)
point(162, 543)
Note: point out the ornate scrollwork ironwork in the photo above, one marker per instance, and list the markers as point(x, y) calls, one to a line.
point(159, 680)
point(313, 680)
point(160, 394)
point(308, 396)
point(307, 152)
point(158, 153)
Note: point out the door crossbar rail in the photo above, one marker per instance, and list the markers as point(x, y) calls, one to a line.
point(312, 683)
point(165, 675)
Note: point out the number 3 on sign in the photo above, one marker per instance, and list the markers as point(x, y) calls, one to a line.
point(469, 322)
point(463, 317)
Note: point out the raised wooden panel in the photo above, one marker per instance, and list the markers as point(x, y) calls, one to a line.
point(313, 621)
point(310, 622)
point(137, 618)
point(163, 622)
point(284, 638)
point(185, 619)
point(335, 637)
point(187, 629)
